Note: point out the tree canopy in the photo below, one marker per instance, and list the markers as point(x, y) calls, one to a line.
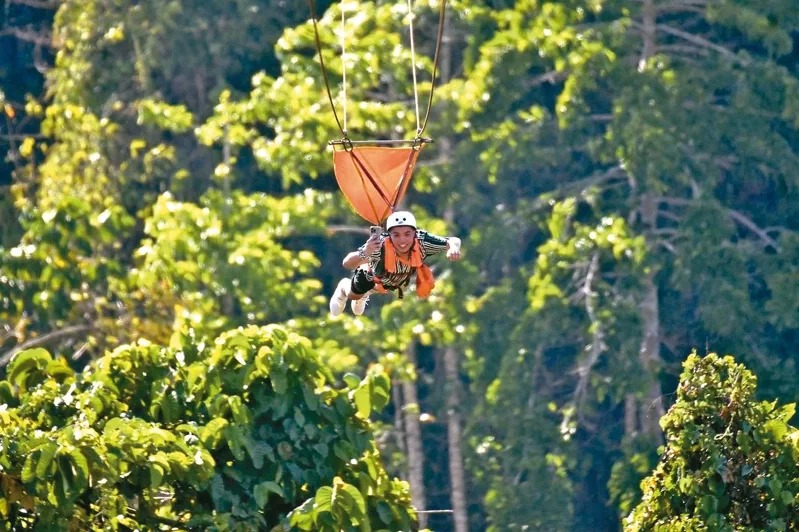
point(730, 461)
point(239, 432)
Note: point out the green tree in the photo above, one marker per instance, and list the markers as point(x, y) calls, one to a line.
point(226, 261)
point(730, 461)
point(286, 119)
point(130, 83)
point(56, 283)
point(26, 47)
point(598, 221)
point(617, 143)
point(623, 174)
point(239, 432)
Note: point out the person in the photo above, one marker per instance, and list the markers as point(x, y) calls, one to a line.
point(387, 261)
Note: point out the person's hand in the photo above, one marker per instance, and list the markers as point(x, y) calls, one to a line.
point(372, 245)
point(454, 251)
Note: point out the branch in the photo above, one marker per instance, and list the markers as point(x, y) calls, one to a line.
point(24, 34)
point(752, 226)
point(331, 229)
point(39, 340)
point(37, 4)
point(664, 231)
point(550, 77)
point(438, 161)
point(14, 136)
point(597, 343)
point(779, 229)
point(666, 244)
point(593, 180)
point(681, 49)
point(735, 215)
point(668, 215)
point(684, 3)
point(699, 41)
point(683, 8)
point(176, 525)
point(9, 333)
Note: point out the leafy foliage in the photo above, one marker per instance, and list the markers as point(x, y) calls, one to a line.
point(240, 432)
point(226, 262)
point(623, 174)
point(64, 267)
point(730, 461)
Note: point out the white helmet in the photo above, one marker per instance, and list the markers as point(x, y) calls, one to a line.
point(400, 218)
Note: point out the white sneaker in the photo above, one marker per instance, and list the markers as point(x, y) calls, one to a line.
point(339, 300)
point(359, 305)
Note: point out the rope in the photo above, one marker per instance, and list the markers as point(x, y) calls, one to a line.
point(419, 128)
point(405, 175)
point(343, 71)
point(442, 10)
point(322, 65)
point(363, 170)
point(413, 67)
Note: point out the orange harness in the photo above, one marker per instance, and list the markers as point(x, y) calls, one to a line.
point(424, 275)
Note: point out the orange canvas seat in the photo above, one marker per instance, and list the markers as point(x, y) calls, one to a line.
point(374, 174)
point(374, 178)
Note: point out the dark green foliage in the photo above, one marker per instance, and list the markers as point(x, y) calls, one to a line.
point(730, 461)
point(242, 432)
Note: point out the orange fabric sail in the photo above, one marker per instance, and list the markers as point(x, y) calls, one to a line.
point(374, 179)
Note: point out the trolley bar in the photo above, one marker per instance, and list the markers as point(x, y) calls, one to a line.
point(387, 142)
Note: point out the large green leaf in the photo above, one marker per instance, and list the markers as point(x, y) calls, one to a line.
point(27, 366)
point(264, 489)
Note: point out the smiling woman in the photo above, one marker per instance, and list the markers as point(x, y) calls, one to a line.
point(387, 261)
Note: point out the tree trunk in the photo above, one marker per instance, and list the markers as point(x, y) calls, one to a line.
point(453, 403)
point(452, 385)
point(413, 439)
point(458, 495)
point(630, 415)
point(652, 408)
point(399, 426)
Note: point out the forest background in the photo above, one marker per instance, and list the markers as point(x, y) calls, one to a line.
point(624, 176)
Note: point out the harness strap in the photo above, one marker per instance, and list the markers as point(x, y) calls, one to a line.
point(381, 289)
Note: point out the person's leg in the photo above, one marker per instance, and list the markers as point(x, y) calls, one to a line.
point(359, 294)
point(358, 306)
point(361, 285)
point(339, 299)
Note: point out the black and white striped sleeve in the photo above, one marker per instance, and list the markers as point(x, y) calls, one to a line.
point(432, 244)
